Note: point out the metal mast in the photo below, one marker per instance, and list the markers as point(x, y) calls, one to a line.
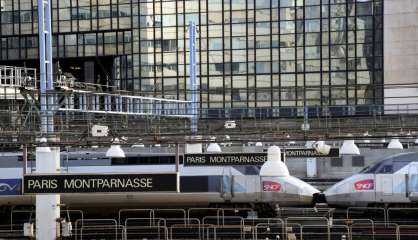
point(45, 65)
point(193, 77)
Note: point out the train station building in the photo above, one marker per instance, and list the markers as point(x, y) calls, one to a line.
point(276, 55)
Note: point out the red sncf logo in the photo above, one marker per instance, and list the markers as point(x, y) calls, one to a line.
point(269, 186)
point(364, 185)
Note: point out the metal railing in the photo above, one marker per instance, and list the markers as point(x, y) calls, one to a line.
point(108, 103)
point(379, 212)
point(159, 224)
point(18, 77)
point(312, 112)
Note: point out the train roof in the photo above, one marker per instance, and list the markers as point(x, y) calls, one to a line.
point(392, 163)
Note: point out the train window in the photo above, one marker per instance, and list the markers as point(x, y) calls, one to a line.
point(118, 161)
point(392, 163)
point(386, 169)
point(357, 161)
point(145, 160)
point(373, 168)
point(397, 165)
point(336, 162)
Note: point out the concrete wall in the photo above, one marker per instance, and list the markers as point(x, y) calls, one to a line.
point(401, 53)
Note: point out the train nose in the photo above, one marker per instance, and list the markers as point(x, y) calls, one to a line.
point(331, 194)
point(319, 198)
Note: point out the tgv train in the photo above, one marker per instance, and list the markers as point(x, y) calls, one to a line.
point(199, 186)
point(394, 180)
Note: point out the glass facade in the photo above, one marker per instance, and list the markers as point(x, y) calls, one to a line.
point(251, 53)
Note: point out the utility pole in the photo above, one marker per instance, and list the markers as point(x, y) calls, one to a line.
point(193, 77)
point(47, 158)
point(196, 147)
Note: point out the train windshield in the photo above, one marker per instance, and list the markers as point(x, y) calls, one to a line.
point(391, 164)
point(372, 168)
point(366, 169)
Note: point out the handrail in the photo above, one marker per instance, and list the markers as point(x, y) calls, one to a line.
point(268, 226)
point(385, 217)
point(392, 209)
point(148, 228)
point(151, 213)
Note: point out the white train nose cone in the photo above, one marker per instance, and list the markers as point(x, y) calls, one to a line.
point(274, 167)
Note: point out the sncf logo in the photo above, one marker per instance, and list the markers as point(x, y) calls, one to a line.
point(269, 186)
point(364, 185)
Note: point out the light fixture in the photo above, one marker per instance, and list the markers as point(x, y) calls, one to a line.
point(227, 138)
point(230, 124)
point(139, 145)
point(115, 151)
point(43, 146)
point(258, 144)
point(395, 144)
point(214, 148)
point(349, 148)
point(321, 147)
point(416, 141)
point(274, 167)
point(309, 144)
point(366, 134)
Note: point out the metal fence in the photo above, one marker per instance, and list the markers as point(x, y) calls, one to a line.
point(230, 223)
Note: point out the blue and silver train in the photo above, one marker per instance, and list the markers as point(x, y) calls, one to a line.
point(199, 186)
point(393, 180)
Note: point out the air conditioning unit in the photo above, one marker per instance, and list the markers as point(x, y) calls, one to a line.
point(28, 230)
point(230, 124)
point(99, 131)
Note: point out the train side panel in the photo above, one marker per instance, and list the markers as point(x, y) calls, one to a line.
point(391, 188)
point(196, 190)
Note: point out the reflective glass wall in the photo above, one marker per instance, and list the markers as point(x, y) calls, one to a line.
point(251, 53)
